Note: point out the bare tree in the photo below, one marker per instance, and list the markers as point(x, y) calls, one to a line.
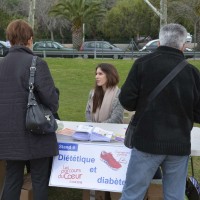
point(21, 7)
point(109, 3)
point(162, 13)
point(31, 16)
point(44, 19)
point(3, 4)
point(189, 10)
point(36, 12)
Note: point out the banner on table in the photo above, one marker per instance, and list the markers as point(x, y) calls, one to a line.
point(90, 166)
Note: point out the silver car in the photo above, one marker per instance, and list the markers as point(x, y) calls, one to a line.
point(106, 48)
point(4, 48)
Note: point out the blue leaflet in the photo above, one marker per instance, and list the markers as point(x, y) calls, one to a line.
point(89, 133)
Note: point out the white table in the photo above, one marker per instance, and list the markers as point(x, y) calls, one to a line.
point(79, 164)
point(195, 142)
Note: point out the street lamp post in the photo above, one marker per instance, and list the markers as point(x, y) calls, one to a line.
point(162, 13)
point(31, 15)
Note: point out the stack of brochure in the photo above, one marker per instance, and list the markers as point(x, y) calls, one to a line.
point(99, 134)
point(83, 132)
point(118, 137)
point(90, 133)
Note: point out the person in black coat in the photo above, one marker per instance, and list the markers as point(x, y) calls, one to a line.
point(17, 145)
point(162, 132)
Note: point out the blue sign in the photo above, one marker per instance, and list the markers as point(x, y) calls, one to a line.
point(68, 147)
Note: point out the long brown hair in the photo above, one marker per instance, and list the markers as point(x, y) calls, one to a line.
point(112, 80)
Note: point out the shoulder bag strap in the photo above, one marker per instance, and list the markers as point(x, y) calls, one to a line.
point(162, 85)
point(32, 73)
point(166, 80)
point(31, 97)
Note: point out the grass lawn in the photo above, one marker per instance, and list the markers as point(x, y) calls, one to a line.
point(75, 78)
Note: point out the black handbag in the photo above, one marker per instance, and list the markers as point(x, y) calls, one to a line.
point(39, 118)
point(129, 134)
point(192, 190)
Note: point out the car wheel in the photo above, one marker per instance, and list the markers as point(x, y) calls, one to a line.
point(5, 52)
point(115, 57)
point(85, 56)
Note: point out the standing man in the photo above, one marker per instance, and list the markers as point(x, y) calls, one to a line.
point(162, 134)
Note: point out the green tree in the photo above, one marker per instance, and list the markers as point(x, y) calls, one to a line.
point(187, 13)
point(5, 18)
point(129, 19)
point(78, 12)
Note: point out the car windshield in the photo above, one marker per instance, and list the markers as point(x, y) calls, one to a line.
point(154, 44)
point(4, 43)
point(57, 45)
point(50, 44)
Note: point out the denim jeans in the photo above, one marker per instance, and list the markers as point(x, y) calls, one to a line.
point(141, 169)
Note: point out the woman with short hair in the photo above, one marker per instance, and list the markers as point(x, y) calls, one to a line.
point(17, 145)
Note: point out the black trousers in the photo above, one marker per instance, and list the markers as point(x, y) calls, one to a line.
point(14, 179)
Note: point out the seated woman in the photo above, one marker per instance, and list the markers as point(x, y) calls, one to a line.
point(103, 105)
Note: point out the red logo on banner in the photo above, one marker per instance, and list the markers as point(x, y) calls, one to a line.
point(71, 174)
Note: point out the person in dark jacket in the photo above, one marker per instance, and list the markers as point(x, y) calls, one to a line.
point(17, 145)
point(162, 133)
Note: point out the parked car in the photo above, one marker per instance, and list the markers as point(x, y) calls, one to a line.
point(143, 39)
point(189, 37)
point(3, 48)
point(101, 46)
point(50, 46)
point(52, 49)
point(150, 46)
point(153, 44)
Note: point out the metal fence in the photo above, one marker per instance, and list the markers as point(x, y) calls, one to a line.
point(103, 54)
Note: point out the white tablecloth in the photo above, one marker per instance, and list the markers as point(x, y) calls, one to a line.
point(81, 165)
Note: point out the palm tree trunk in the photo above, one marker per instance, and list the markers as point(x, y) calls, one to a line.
point(77, 37)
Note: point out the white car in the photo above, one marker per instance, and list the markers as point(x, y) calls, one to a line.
point(3, 48)
point(153, 44)
point(150, 46)
point(189, 38)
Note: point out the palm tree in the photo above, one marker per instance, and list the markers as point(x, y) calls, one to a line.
point(78, 12)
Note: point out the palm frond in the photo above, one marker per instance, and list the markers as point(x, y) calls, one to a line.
point(78, 12)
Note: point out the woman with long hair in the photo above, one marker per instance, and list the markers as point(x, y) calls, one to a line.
point(103, 105)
